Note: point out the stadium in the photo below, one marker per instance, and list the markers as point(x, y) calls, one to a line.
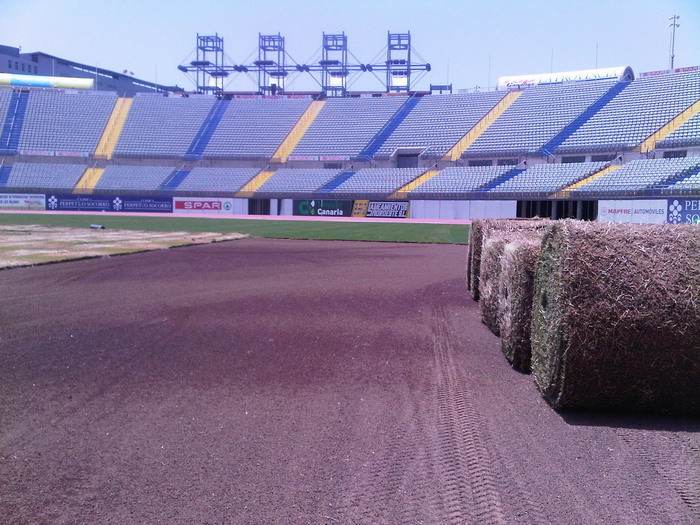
point(410, 304)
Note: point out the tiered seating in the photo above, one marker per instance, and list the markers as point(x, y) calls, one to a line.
point(346, 125)
point(288, 180)
point(438, 122)
point(547, 178)
point(687, 135)
point(535, 117)
point(378, 180)
point(460, 180)
point(643, 107)
point(161, 127)
point(5, 96)
point(55, 177)
point(691, 183)
point(65, 123)
point(143, 178)
point(254, 128)
point(216, 180)
point(639, 175)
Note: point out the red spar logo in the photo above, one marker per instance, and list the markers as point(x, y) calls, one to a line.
point(198, 205)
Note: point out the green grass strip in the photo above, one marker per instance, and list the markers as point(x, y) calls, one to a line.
point(324, 230)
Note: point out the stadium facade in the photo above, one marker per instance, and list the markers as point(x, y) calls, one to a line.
point(559, 149)
point(14, 61)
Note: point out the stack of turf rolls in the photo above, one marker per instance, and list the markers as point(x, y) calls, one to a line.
point(616, 317)
point(515, 292)
point(606, 315)
point(493, 247)
point(478, 230)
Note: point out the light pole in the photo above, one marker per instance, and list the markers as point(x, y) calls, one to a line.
point(673, 25)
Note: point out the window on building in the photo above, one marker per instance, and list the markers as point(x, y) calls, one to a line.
point(35, 70)
point(22, 67)
point(675, 154)
point(9, 64)
point(16, 65)
point(573, 160)
point(603, 158)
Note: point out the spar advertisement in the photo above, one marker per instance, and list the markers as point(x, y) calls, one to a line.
point(677, 210)
point(350, 208)
point(198, 205)
point(22, 201)
point(69, 202)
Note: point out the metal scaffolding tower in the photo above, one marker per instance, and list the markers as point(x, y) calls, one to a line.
point(334, 64)
point(333, 68)
point(271, 64)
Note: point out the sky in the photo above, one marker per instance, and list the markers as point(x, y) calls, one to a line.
point(467, 43)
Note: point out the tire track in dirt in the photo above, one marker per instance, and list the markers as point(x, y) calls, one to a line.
point(400, 487)
point(676, 461)
point(497, 495)
point(469, 489)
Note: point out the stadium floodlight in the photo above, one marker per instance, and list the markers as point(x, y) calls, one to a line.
point(673, 25)
point(333, 68)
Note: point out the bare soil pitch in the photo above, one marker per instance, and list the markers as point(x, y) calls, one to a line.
point(299, 382)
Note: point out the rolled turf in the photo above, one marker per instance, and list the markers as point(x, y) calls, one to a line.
point(493, 244)
point(476, 244)
point(616, 317)
point(515, 291)
point(475, 235)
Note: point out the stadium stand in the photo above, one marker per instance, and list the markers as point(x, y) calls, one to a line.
point(113, 130)
point(14, 120)
point(65, 123)
point(206, 145)
point(438, 122)
point(216, 180)
point(691, 182)
point(637, 112)
point(163, 127)
point(456, 180)
point(289, 180)
point(254, 128)
point(345, 126)
point(377, 181)
point(535, 118)
point(138, 178)
point(542, 179)
point(61, 177)
point(642, 174)
point(5, 96)
point(686, 135)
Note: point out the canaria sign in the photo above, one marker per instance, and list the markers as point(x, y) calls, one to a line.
point(608, 73)
point(9, 79)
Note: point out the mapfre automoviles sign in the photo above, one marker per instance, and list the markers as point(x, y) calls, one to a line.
point(677, 210)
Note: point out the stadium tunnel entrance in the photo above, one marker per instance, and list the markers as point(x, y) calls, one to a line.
point(562, 209)
point(258, 206)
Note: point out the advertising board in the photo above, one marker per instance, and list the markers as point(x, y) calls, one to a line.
point(207, 205)
point(22, 201)
point(57, 202)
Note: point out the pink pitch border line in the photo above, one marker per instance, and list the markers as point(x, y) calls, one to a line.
point(289, 218)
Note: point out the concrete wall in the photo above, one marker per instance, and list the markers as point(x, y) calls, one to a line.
point(439, 209)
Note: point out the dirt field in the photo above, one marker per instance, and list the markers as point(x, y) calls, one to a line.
point(22, 245)
point(300, 382)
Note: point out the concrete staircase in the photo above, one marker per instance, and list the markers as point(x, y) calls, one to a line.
point(113, 130)
point(480, 127)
